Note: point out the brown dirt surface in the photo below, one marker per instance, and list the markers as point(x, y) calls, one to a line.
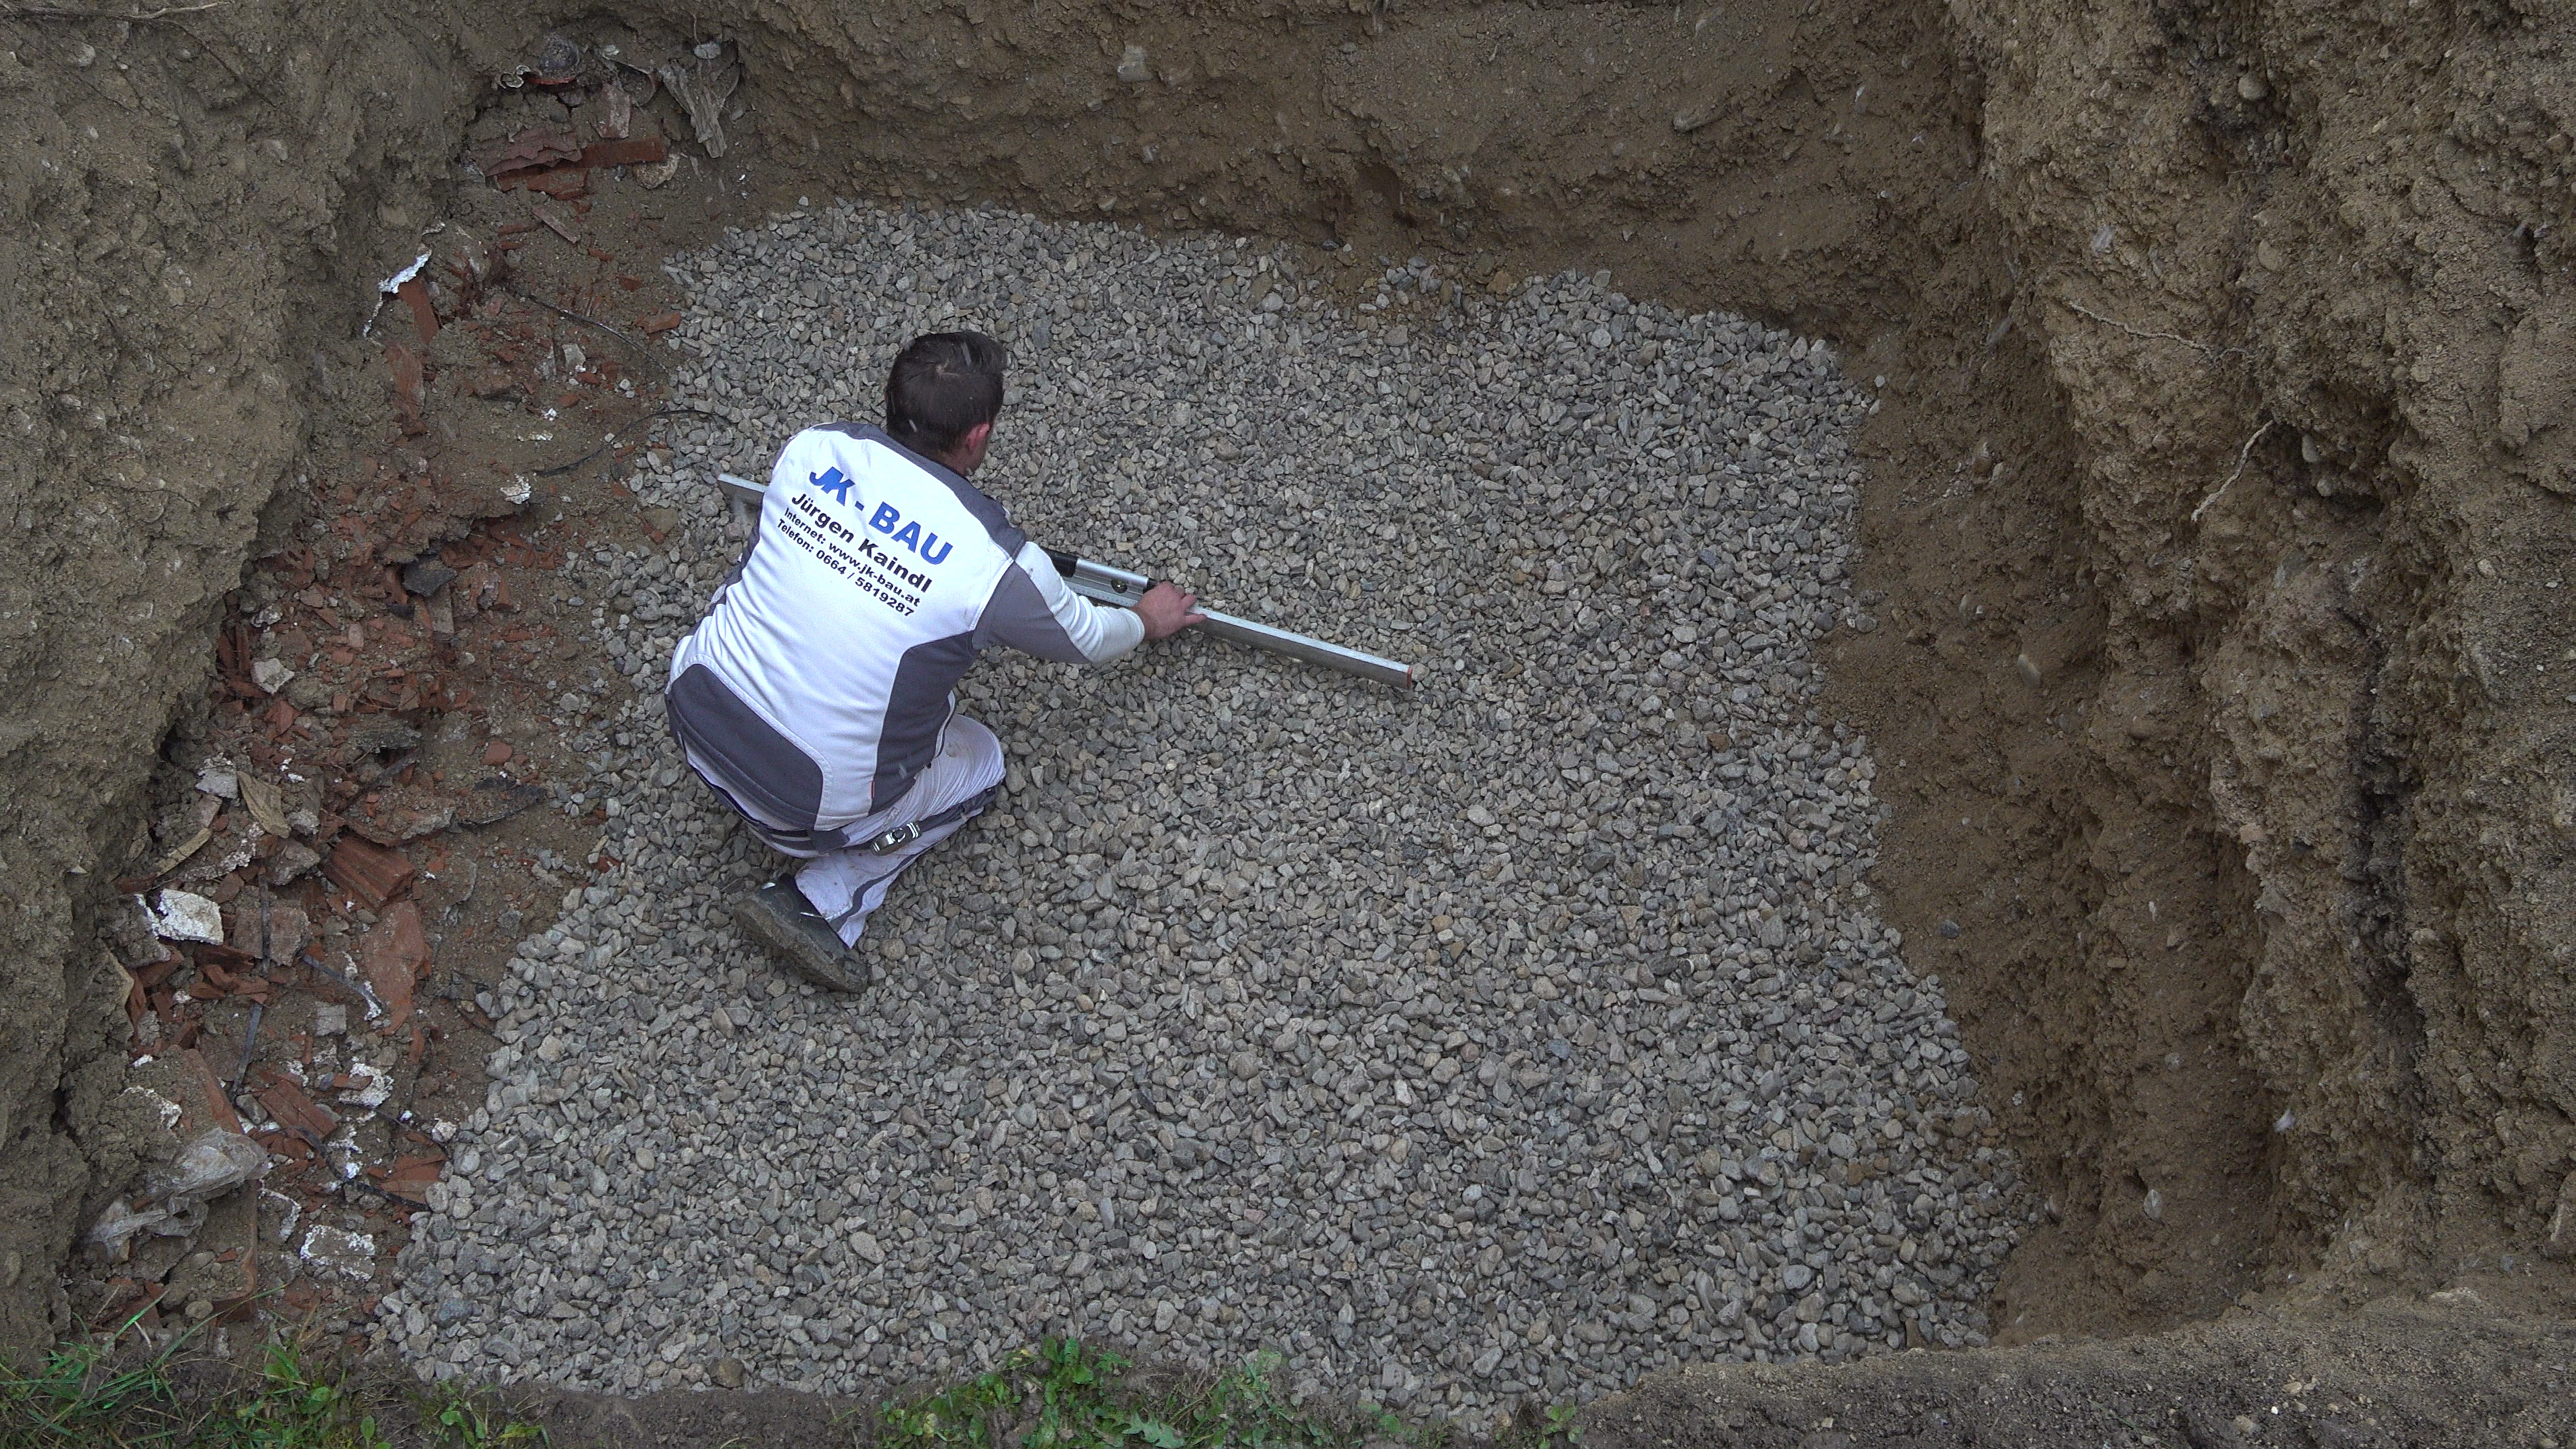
point(2440, 1373)
point(2215, 536)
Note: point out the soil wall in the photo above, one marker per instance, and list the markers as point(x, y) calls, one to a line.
point(2216, 501)
point(2303, 287)
point(195, 205)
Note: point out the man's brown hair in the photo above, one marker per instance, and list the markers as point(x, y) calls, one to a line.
point(942, 387)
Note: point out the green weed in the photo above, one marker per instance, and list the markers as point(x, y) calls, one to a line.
point(455, 1418)
point(289, 1406)
point(87, 1395)
point(1555, 1426)
point(77, 1396)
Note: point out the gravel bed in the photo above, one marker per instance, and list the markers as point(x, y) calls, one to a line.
point(1516, 1036)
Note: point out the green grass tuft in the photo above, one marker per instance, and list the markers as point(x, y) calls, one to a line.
point(98, 1396)
point(457, 1419)
point(79, 1395)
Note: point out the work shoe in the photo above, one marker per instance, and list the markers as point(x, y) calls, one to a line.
point(778, 916)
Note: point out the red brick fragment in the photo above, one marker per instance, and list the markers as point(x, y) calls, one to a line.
point(370, 872)
point(557, 225)
point(395, 955)
point(208, 954)
point(528, 151)
point(405, 813)
point(565, 184)
point(635, 151)
point(409, 1178)
point(213, 1109)
point(497, 753)
point(660, 322)
point(297, 1112)
point(415, 293)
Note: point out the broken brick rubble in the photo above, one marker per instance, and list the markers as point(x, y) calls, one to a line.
point(394, 955)
point(370, 872)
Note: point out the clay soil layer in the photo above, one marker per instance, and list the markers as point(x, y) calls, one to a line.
point(2216, 525)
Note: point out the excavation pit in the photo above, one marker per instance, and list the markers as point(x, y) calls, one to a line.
point(1517, 1034)
point(2194, 645)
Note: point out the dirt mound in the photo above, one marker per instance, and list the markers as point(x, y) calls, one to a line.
point(2215, 531)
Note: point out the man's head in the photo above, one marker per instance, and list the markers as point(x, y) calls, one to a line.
point(943, 394)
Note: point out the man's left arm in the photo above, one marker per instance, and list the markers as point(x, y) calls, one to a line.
point(1034, 612)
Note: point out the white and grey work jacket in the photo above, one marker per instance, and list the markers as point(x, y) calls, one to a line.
point(815, 690)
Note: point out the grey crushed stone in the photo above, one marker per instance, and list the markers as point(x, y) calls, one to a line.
point(1516, 1037)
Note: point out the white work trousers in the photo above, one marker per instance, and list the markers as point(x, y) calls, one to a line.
point(847, 885)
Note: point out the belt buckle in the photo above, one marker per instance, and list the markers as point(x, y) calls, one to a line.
point(896, 839)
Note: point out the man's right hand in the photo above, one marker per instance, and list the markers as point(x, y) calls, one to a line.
point(1167, 611)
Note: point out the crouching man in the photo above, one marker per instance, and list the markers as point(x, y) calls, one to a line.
point(816, 696)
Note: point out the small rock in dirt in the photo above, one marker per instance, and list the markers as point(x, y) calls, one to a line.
point(2561, 1242)
point(337, 1251)
point(426, 577)
point(213, 1163)
point(378, 734)
point(495, 798)
point(187, 916)
point(291, 862)
point(289, 928)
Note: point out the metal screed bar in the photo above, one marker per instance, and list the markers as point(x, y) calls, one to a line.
point(1103, 584)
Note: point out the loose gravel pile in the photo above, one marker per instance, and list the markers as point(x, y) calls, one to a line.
point(1514, 1036)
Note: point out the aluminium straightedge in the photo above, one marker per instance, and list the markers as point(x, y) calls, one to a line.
point(1106, 585)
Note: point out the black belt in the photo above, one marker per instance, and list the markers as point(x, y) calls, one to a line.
point(906, 834)
point(818, 842)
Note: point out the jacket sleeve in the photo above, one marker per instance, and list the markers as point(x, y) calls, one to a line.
point(1032, 611)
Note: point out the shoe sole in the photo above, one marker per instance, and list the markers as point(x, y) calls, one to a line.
point(798, 951)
